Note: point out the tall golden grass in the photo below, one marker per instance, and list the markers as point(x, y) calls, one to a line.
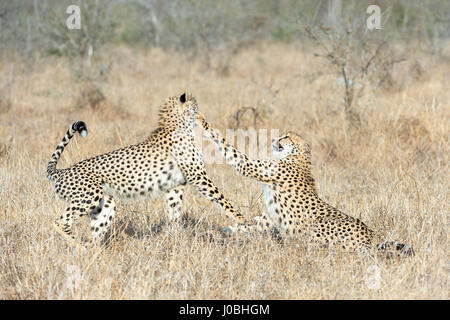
point(392, 173)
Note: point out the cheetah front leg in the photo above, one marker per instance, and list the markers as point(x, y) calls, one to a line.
point(174, 200)
point(207, 188)
point(190, 162)
point(262, 223)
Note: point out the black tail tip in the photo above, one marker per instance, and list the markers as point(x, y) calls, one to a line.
point(400, 249)
point(80, 126)
point(405, 250)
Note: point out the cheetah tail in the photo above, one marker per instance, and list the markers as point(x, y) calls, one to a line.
point(394, 247)
point(78, 126)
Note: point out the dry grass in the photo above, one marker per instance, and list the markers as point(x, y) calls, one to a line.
point(392, 173)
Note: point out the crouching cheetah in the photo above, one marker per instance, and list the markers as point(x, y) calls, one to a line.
point(164, 163)
point(291, 200)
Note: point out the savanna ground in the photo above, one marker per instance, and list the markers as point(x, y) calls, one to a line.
point(391, 171)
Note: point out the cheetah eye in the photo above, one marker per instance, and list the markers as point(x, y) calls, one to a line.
point(183, 98)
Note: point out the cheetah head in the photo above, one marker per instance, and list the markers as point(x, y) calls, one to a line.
point(291, 145)
point(180, 111)
point(189, 108)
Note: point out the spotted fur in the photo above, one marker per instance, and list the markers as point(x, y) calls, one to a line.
point(162, 164)
point(291, 200)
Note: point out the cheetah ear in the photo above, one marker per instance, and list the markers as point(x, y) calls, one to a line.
point(183, 98)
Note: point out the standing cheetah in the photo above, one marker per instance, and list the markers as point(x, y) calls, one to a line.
point(164, 163)
point(291, 200)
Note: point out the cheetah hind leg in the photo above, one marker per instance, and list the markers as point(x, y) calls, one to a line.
point(64, 229)
point(101, 218)
point(174, 200)
point(75, 210)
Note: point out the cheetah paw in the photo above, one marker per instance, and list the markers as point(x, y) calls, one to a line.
point(228, 231)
